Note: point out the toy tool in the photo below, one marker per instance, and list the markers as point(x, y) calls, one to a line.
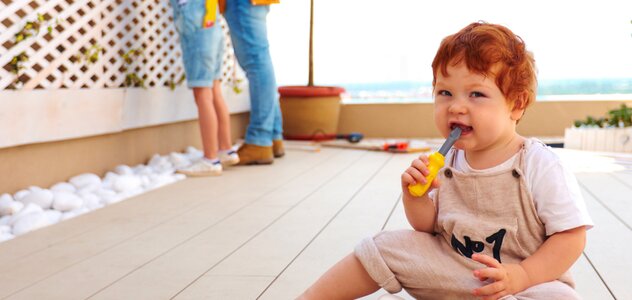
point(436, 162)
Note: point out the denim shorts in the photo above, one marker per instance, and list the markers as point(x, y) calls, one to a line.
point(202, 48)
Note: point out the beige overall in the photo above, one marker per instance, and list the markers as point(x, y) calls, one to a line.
point(492, 214)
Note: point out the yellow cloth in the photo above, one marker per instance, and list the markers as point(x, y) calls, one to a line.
point(211, 13)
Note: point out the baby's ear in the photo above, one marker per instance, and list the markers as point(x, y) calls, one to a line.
point(519, 106)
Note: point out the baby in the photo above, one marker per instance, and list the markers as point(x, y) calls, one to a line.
point(503, 219)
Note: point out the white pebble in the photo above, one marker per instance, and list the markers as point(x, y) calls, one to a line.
point(30, 222)
point(91, 201)
point(108, 180)
point(43, 198)
point(6, 236)
point(28, 209)
point(123, 170)
point(65, 201)
point(20, 194)
point(126, 183)
point(8, 206)
point(84, 180)
point(53, 216)
point(73, 213)
point(6, 220)
point(63, 187)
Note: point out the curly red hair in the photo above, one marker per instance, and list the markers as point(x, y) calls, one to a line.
point(491, 50)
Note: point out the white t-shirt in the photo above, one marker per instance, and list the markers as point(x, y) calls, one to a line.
point(556, 194)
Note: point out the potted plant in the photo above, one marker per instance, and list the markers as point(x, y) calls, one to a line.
point(310, 112)
point(612, 133)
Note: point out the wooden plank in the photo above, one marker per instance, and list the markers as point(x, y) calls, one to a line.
point(182, 263)
point(363, 216)
point(142, 214)
point(397, 220)
point(624, 177)
point(271, 251)
point(612, 193)
point(610, 240)
point(228, 287)
point(588, 284)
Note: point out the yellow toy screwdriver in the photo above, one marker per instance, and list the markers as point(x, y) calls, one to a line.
point(210, 14)
point(436, 162)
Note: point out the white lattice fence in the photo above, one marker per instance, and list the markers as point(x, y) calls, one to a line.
point(115, 26)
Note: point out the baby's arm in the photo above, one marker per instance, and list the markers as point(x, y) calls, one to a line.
point(420, 211)
point(556, 255)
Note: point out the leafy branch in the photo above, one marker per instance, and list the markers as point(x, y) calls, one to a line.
point(131, 78)
point(90, 55)
point(30, 29)
point(621, 117)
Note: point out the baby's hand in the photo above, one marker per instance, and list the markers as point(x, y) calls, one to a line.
point(508, 278)
point(417, 173)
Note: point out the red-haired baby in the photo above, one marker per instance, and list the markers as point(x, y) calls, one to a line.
point(503, 219)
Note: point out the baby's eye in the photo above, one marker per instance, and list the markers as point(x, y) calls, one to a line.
point(444, 93)
point(477, 94)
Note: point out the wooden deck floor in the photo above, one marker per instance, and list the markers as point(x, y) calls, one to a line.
point(267, 232)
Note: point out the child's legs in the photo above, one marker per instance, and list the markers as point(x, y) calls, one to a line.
point(421, 263)
point(548, 290)
point(345, 280)
point(223, 116)
point(207, 119)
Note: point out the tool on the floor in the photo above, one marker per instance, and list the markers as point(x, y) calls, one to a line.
point(353, 137)
point(405, 147)
point(436, 162)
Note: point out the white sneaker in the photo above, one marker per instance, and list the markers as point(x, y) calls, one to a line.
point(202, 167)
point(229, 157)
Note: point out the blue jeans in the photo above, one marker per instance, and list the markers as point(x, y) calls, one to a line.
point(247, 24)
point(202, 48)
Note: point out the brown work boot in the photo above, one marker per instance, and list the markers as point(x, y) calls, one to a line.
point(277, 148)
point(250, 154)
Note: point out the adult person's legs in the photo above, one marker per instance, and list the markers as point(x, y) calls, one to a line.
point(247, 25)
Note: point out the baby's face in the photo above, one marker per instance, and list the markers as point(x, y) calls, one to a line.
point(474, 103)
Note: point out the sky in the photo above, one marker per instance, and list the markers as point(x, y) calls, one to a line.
point(365, 41)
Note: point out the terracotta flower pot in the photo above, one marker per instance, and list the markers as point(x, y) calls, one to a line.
point(310, 110)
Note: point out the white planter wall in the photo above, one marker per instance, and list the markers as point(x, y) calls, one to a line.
point(36, 116)
point(599, 139)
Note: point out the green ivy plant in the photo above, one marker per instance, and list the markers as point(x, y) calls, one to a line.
point(620, 117)
point(30, 29)
point(90, 55)
point(173, 83)
point(131, 78)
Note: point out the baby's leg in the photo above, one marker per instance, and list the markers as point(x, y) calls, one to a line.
point(421, 263)
point(548, 290)
point(345, 280)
